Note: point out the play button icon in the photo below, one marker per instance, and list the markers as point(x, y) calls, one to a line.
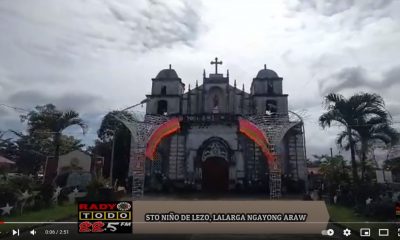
point(15, 232)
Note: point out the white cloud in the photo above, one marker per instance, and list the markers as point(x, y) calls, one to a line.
point(108, 51)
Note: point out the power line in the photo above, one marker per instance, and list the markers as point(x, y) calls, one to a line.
point(52, 132)
point(365, 125)
point(68, 133)
point(15, 108)
point(146, 100)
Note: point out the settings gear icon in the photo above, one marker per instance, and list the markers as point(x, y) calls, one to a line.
point(347, 232)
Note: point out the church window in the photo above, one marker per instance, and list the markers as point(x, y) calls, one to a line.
point(271, 107)
point(164, 90)
point(270, 87)
point(162, 107)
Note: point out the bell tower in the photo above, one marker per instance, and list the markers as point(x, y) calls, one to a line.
point(166, 93)
point(266, 90)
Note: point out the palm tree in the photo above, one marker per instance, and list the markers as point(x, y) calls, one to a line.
point(47, 119)
point(359, 108)
point(366, 134)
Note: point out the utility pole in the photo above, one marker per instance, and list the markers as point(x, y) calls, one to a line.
point(112, 159)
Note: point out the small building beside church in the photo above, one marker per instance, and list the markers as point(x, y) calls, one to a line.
point(75, 160)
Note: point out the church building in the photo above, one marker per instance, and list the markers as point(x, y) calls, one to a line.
point(209, 152)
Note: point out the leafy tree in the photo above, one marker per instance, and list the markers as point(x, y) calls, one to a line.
point(30, 151)
point(113, 132)
point(110, 125)
point(366, 134)
point(69, 143)
point(8, 148)
point(350, 112)
point(393, 164)
point(334, 170)
point(47, 119)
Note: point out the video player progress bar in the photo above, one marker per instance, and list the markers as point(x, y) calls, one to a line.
point(200, 222)
point(38, 222)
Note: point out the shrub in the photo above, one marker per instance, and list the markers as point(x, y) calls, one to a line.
point(383, 211)
point(21, 183)
point(95, 188)
point(45, 195)
point(8, 194)
point(63, 197)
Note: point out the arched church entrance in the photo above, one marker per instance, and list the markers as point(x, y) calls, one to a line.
point(215, 177)
point(215, 165)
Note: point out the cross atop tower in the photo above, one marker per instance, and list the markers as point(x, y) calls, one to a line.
point(216, 64)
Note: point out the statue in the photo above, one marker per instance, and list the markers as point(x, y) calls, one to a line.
point(215, 103)
point(215, 100)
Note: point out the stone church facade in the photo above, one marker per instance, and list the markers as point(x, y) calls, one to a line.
point(209, 153)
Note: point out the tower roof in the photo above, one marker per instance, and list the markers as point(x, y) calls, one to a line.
point(267, 73)
point(167, 73)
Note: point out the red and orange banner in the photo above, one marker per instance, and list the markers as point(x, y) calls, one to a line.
point(254, 133)
point(166, 129)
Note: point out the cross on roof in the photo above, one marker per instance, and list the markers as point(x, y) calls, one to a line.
point(216, 64)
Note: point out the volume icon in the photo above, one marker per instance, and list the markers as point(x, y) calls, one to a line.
point(33, 232)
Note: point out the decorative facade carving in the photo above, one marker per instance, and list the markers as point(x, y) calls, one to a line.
point(215, 149)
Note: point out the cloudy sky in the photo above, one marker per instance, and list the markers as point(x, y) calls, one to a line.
point(95, 56)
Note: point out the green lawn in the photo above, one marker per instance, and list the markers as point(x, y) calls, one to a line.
point(344, 214)
point(346, 217)
point(50, 214)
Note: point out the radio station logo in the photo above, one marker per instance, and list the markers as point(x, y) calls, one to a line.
point(105, 217)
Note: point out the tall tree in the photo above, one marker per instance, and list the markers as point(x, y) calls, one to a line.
point(8, 148)
point(114, 134)
point(47, 119)
point(393, 164)
point(375, 130)
point(110, 125)
point(30, 152)
point(334, 170)
point(70, 143)
point(351, 112)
